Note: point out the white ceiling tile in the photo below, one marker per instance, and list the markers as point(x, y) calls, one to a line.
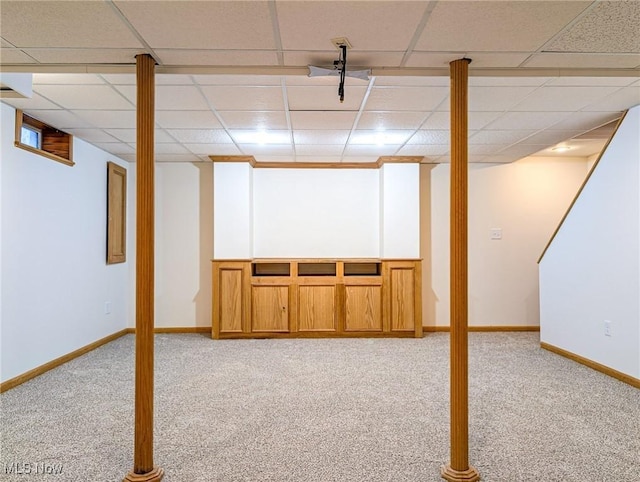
point(618, 101)
point(169, 149)
point(129, 135)
point(221, 25)
point(320, 137)
point(115, 147)
point(92, 135)
point(324, 98)
point(177, 158)
point(550, 137)
point(367, 25)
point(60, 119)
point(64, 24)
point(476, 120)
point(391, 120)
point(34, 103)
point(267, 149)
point(214, 149)
point(187, 119)
point(583, 61)
point(432, 60)
point(244, 98)
point(406, 98)
point(173, 79)
point(430, 137)
point(217, 57)
point(593, 32)
point(119, 79)
point(424, 150)
point(592, 81)
point(107, 119)
point(380, 138)
point(563, 98)
point(318, 158)
point(485, 149)
point(520, 150)
point(254, 80)
point(495, 26)
point(170, 97)
point(502, 60)
point(90, 97)
point(584, 121)
point(254, 120)
point(67, 79)
point(488, 99)
point(251, 136)
point(15, 56)
point(319, 150)
point(201, 136)
point(84, 56)
point(500, 136)
point(528, 120)
point(128, 157)
point(322, 120)
point(485, 81)
point(368, 150)
point(412, 81)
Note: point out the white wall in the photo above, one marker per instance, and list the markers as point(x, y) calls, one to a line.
point(233, 219)
point(55, 280)
point(184, 243)
point(591, 271)
point(526, 200)
point(401, 211)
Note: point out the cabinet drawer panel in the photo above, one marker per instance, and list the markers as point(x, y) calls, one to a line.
point(402, 299)
point(230, 301)
point(270, 308)
point(317, 308)
point(363, 310)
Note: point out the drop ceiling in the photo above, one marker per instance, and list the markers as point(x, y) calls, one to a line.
point(231, 76)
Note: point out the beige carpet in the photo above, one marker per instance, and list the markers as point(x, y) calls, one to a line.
point(325, 410)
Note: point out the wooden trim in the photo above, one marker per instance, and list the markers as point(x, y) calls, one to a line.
point(20, 115)
point(584, 183)
point(488, 328)
point(183, 329)
point(20, 379)
point(319, 165)
point(623, 377)
point(116, 213)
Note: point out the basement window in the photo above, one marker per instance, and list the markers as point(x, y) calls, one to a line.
point(35, 136)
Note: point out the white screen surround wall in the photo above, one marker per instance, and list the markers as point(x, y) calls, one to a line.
point(591, 271)
point(316, 212)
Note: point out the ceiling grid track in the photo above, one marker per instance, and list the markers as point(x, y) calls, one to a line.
point(358, 115)
point(287, 114)
point(418, 33)
point(273, 10)
point(132, 29)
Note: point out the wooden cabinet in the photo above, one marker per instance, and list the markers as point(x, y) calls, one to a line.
point(303, 298)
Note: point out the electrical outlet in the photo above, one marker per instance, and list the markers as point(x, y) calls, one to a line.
point(607, 327)
point(107, 307)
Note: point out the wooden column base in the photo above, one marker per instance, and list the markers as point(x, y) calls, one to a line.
point(154, 476)
point(452, 475)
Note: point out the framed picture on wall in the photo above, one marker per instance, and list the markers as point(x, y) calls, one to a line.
point(116, 213)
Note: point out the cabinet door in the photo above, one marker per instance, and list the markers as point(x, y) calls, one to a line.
point(317, 308)
point(402, 299)
point(363, 308)
point(270, 309)
point(230, 300)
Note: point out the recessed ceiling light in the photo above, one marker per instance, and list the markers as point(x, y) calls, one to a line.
point(560, 148)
